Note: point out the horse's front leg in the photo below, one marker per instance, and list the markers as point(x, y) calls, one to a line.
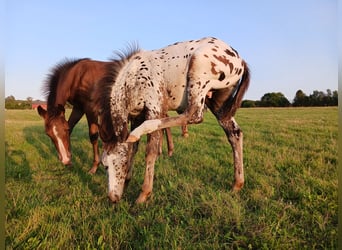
point(74, 118)
point(152, 151)
point(235, 138)
point(169, 140)
point(94, 136)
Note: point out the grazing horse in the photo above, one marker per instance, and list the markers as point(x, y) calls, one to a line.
point(72, 81)
point(143, 85)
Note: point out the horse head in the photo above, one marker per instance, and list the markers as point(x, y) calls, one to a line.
point(117, 160)
point(57, 128)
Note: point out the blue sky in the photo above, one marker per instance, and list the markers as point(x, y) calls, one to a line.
point(288, 44)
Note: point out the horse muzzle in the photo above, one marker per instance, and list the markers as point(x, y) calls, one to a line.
point(66, 161)
point(114, 198)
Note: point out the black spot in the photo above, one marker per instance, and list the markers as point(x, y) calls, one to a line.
point(222, 76)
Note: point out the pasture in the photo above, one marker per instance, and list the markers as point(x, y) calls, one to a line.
point(289, 200)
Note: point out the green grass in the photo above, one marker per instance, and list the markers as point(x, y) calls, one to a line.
point(289, 200)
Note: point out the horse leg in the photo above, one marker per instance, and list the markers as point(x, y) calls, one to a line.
point(216, 104)
point(93, 137)
point(74, 118)
point(131, 155)
point(235, 138)
point(185, 132)
point(132, 151)
point(192, 115)
point(152, 147)
point(170, 145)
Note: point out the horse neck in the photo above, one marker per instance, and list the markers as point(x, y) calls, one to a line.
point(59, 96)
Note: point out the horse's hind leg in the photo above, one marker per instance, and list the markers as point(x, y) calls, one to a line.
point(235, 138)
point(152, 151)
point(216, 104)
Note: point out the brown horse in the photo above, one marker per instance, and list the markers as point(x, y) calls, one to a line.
point(72, 81)
point(143, 86)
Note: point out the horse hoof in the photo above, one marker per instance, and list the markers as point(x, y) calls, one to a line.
point(132, 138)
point(142, 198)
point(185, 135)
point(92, 170)
point(237, 187)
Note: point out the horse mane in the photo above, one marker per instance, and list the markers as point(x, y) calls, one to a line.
point(102, 100)
point(53, 79)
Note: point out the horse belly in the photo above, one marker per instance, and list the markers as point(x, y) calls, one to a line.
point(176, 90)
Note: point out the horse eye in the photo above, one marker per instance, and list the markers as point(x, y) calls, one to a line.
point(106, 167)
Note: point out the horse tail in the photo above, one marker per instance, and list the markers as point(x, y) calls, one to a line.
point(241, 90)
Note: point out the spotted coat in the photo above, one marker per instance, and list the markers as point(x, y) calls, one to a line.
point(147, 84)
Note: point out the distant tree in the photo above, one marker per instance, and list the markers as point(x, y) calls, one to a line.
point(10, 98)
point(29, 99)
point(274, 100)
point(10, 102)
point(317, 98)
point(334, 98)
point(248, 104)
point(301, 99)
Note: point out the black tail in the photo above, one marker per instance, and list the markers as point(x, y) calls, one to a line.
point(241, 90)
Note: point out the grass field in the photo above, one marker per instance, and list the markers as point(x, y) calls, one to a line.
point(289, 200)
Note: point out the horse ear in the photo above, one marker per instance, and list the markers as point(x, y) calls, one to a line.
point(41, 111)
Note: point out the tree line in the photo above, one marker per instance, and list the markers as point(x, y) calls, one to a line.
point(274, 99)
point(12, 103)
point(277, 99)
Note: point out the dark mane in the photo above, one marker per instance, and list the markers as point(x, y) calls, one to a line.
point(101, 95)
point(50, 86)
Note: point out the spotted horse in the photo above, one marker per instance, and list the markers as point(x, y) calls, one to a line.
point(143, 85)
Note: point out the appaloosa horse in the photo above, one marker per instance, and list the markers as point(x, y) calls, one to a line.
point(143, 85)
point(72, 81)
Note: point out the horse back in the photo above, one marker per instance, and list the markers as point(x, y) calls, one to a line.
point(214, 63)
point(82, 78)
